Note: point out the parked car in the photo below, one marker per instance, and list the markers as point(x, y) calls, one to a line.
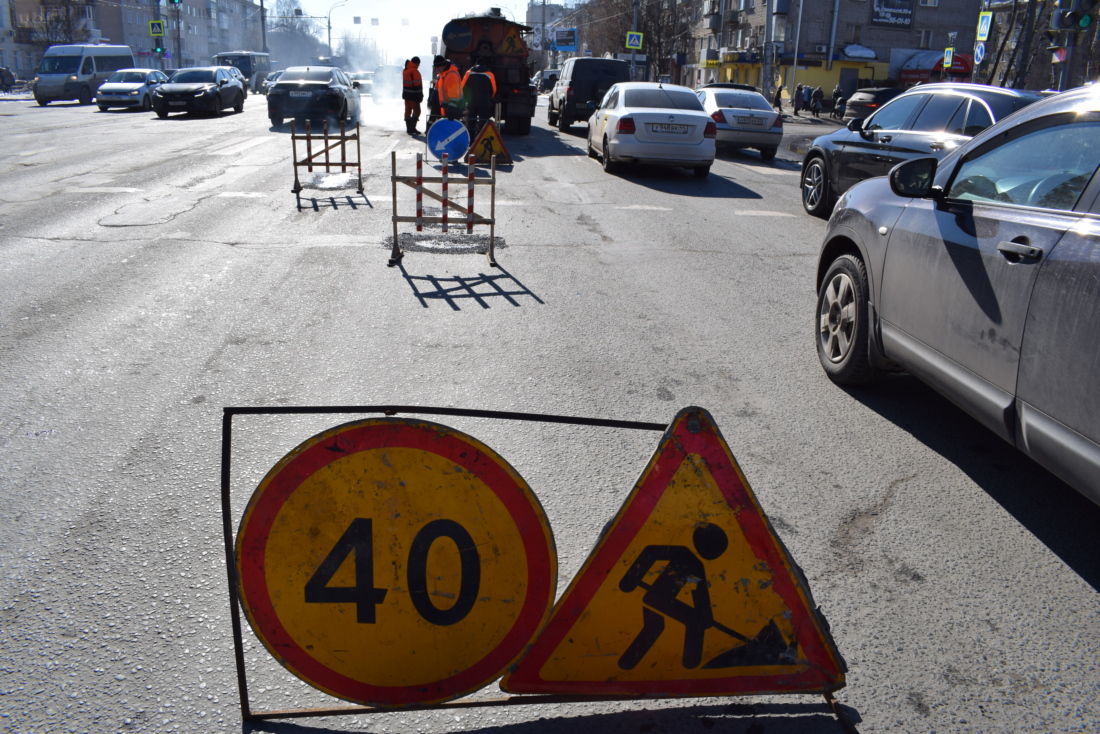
point(583, 82)
point(365, 79)
point(130, 88)
point(929, 120)
point(864, 102)
point(313, 92)
point(271, 79)
point(745, 119)
point(239, 76)
point(656, 124)
point(979, 273)
point(200, 89)
point(545, 80)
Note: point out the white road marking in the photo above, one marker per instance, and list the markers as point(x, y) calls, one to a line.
point(102, 190)
point(240, 147)
point(645, 208)
point(765, 170)
point(761, 213)
point(388, 150)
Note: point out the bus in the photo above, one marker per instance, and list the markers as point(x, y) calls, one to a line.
point(255, 66)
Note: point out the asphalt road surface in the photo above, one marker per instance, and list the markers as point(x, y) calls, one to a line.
point(155, 271)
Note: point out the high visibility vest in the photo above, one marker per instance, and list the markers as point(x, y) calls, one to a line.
point(411, 83)
point(483, 72)
point(448, 86)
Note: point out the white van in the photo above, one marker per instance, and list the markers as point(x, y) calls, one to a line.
point(75, 72)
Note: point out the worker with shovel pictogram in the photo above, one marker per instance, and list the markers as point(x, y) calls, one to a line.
point(684, 567)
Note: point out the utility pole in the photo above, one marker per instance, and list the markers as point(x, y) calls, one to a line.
point(766, 82)
point(634, 28)
point(263, 27)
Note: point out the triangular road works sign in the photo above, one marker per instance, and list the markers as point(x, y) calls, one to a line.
point(489, 144)
point(689, 592)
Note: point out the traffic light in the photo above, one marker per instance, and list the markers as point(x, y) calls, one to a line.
point(1072, 15)
point(158, 49)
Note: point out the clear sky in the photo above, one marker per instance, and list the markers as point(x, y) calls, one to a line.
point(405, 27)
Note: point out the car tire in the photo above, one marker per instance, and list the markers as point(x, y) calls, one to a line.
point(843, 331)
point(276, 121)
point(239, 107)
point(103, 108)
point(766, 154)
point(146, 104)
point(42, 102)
point(216, 107)
point(816, 196)
point(701, 171)
point(609, 165)
point(564, 123)
point(551, 116)
point(85, 96)
point(162, 114)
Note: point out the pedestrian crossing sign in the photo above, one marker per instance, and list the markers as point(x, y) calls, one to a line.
point(634, 40)
point(156, 28)
point(689, 592)
point(489, 144)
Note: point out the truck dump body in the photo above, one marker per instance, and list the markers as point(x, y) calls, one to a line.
point(500, 43)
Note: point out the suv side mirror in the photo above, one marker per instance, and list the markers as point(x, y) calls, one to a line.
point(913, 179)
point(856, 124)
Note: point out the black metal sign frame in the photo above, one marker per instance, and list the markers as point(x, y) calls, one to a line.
point(247, 714)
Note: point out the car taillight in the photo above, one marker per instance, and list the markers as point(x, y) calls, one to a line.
point(711, 131)
point(778, 121)
point(569, 90)
point(625, 126)
point(871, 105)
point(718, 116)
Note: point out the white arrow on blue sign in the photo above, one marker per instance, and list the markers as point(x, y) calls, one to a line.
point(450, 137)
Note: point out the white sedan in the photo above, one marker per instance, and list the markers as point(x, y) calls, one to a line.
point(745, 119)
point(129, 88)
point(656, 124)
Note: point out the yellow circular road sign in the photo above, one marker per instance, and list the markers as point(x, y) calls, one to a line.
point(393, 562)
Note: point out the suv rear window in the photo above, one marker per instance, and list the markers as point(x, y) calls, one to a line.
point(662, 99)
point(595, 68)
point(741, 100)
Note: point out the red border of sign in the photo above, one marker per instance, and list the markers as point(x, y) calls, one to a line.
point(824, 672)
point(394, 433)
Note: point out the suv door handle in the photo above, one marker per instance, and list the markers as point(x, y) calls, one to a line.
point(1015, 251)
point(938, 145)
point(886, 138)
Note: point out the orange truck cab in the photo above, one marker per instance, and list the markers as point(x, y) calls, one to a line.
point(500, 42)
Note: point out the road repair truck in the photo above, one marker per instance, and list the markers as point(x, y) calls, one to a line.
point(499, 42)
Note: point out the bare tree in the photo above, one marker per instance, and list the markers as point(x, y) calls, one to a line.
point(665, 24)
point(60, 22)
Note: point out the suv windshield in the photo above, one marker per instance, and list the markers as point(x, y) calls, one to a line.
point(662, 99)
point(128, 77)
point(306, 75)
point(193, 76)
point(59, 65)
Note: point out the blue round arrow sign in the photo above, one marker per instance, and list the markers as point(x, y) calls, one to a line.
point(450, 137)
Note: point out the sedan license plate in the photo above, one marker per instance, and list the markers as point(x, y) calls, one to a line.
point(663, 127)
point(299, 94)
point(178, 104)
point(750, 121)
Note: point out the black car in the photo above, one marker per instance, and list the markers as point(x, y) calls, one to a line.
point(313, 93)
point(929, 120)
point(729, 85)
point(201, 89)
point(865, 101)
point(583, 82)
point(979, 274)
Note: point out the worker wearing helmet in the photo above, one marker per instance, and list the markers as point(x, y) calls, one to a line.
point(412, 91)
point(448, 88)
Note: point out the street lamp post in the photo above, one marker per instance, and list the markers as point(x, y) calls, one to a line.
point(329, 16)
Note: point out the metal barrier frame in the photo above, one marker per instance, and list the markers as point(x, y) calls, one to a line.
point(247, 714)
point(329, 143)
point(417, 182)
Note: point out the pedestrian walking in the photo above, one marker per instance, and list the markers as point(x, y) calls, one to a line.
point(817, 98)
point(807, 94)
point(448, 88)
point(412, 91)
point(796, 99)
point(479, 86)
point(838, 107)
point(777, 102)
point(7, 79)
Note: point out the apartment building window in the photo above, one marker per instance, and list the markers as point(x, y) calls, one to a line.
point(930, 3)
point(855, 33)
point(926, 39)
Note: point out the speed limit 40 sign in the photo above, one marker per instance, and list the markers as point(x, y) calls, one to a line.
point(394, 562)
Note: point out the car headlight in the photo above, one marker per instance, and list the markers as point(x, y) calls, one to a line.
point(71, 79)
point(135, 93)
point(204, 92)
point(156, 93)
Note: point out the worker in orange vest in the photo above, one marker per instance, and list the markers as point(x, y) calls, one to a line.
point(479, 86)
point(412, 91)
point(448, 87)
